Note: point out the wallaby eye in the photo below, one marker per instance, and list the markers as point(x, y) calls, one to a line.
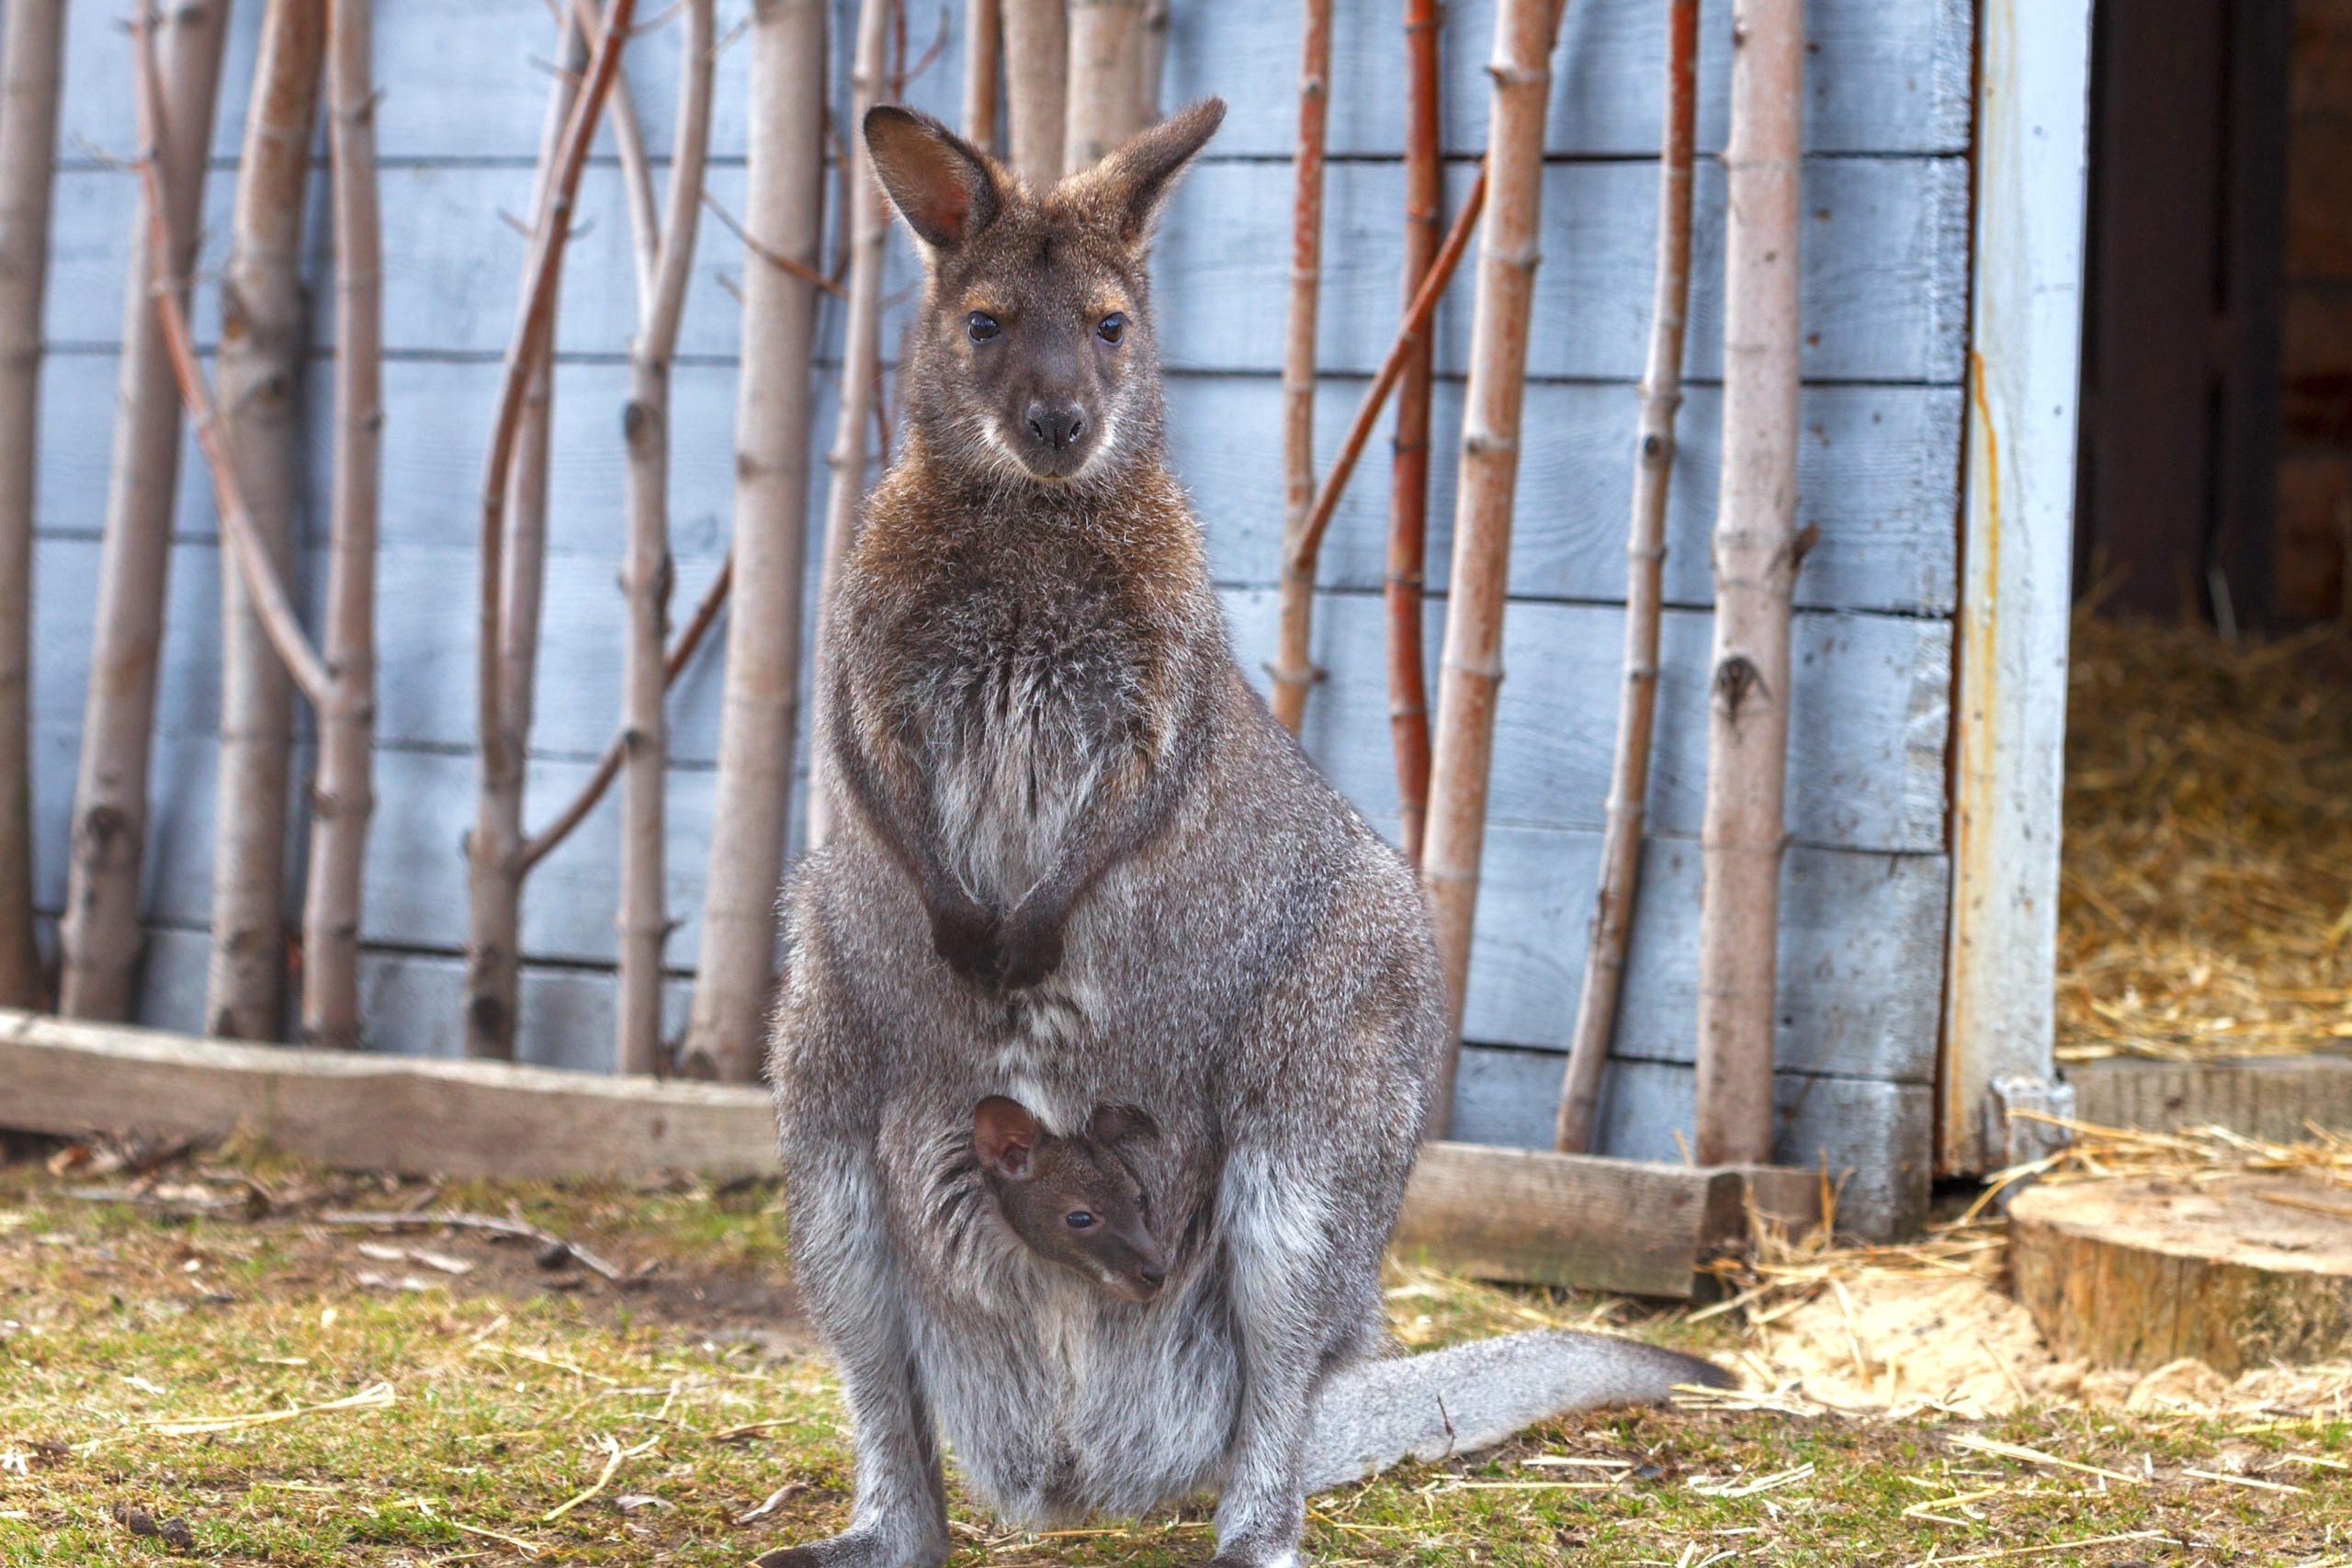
point(981, 325)
point(1111, 327)
point(1078, 1219)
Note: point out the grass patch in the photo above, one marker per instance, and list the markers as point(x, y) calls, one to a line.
point(684, 1401)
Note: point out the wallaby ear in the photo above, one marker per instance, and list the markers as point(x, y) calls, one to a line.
point(1116, 1124)
point(1005, 1137)
point(1141, 171)
point(939, 184)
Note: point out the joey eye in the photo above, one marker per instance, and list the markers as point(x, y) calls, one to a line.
point(1078, 1219)
point(981, 325)
point(1111, 328)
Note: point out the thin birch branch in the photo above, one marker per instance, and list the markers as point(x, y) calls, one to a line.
point(1757, 552)
point(643, 918)
point(259, 365)
point(1629, 774)
point(1472, 662)
point(343, 799)
point(1292, 668)
point(31, 75)
point(769, 253)
point(983, 70)
point(1408, 505)
point(628, 141)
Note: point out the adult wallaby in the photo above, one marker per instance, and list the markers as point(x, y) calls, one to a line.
point(1081, 865)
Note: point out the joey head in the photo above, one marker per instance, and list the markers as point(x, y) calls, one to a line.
point(1073, 1200)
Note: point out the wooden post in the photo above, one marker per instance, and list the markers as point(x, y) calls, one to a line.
point(1036, 62)
point(759, 710)
point(493, 848)
point(1294, 669)
point(1408, 505)
point(1471, 666)
point(31, 56)
point(644, 917)
point(99, 933)
point(1159, 20)
point(262, 338)
point(343, 800)
point(489, 1008)
point(869, 226)
point(1757, 552)
point(2017, 542)
point(983, 71)
point(1629, 773)
point(1106, 102)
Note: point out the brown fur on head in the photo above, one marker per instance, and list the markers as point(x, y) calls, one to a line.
point(1073, 1201)
point(1035, 355)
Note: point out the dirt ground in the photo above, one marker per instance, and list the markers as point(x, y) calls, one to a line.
point(202, 1361)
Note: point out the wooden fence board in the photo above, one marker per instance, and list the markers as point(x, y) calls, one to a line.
point(1886, 267)
point(2274, 1098)
point(1880, 77)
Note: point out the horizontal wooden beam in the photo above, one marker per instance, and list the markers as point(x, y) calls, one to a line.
point(1624, 1225)
point(2261, 1097)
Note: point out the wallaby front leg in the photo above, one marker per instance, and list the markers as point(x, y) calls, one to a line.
point(850, 1284)
point(1272, 1221)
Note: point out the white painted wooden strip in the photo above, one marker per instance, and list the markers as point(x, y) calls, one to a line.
point(466, 78)
point(1871, 1135)
point(2015, 599)
point(1878, 471)
point(1886, 282)
point(1866, 743)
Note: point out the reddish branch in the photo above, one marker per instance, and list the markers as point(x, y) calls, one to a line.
point(1294, 669)
point(1629, 776)
point(1409, 507)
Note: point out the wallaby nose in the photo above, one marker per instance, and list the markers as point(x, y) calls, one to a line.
point(1055, 426)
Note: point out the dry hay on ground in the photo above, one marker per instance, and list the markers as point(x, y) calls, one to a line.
point(2206, 900)
point(1897, 1330)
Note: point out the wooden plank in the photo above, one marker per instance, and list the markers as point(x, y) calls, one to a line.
point(361, 1110)
point(1880, 77)
point(1536, 1218)
point(1879, 473)
point(2270, 1098)
point(1868, 729)
point(2016, 548)
point(1874, 1137)
point(1885, 280)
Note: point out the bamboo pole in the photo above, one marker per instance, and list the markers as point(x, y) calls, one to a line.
point(1756, 555)
point(343, 797)
point(99, 934)
point(31, 68)
point(1106, 103)
point(759, 707)
point(1294, 669)
point(1629, 774)
point(1471, 666)
point(1408, 505)
point(494, 861)
point(983, 71)
point(260, 365)
point(862, 351)
point(492, 876)
point(1036, 62)
point(644, 917)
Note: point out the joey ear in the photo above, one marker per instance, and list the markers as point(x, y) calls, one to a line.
point(1116, 1124)
point(1141, 171)
point(1004, 1136)
point(942, 186)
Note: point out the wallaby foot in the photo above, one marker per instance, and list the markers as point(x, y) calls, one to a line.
point(857, 1549)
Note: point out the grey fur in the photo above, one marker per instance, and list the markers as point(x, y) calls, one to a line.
point(1053, 768)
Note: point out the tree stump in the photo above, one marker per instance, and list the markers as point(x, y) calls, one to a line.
point(2137, 1272)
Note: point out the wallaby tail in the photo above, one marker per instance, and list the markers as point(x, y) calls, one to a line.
point(1468, 1397)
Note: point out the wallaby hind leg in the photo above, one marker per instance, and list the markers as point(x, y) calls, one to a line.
point(1468, 1397)
point(900, 1520)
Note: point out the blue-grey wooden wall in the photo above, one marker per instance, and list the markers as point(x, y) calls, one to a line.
point(1885, 299)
